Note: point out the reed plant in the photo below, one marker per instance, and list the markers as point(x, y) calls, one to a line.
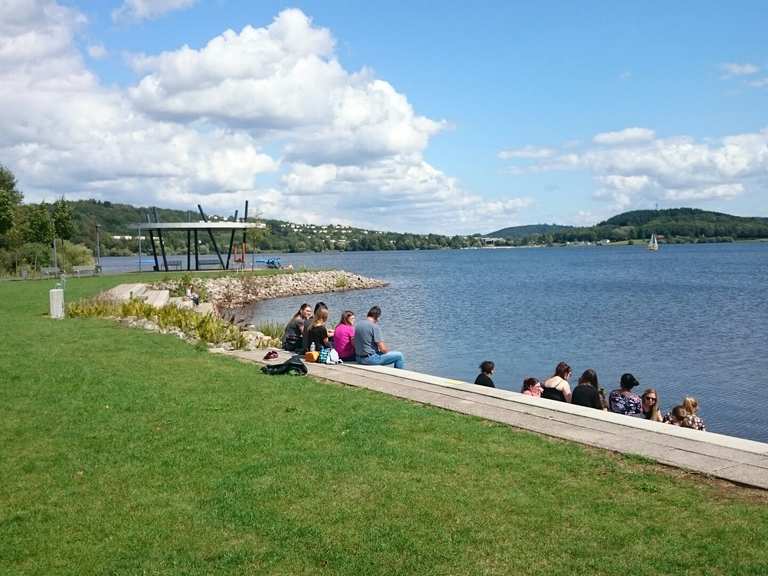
point(271, 328)
point(208, 328)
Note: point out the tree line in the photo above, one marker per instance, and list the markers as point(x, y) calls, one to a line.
point(35, 235)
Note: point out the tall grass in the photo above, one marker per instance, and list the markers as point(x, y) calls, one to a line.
point(206, 328)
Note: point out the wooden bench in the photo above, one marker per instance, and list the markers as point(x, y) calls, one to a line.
point(48, 271)
point(209, 262)
point(88, 270)
point(174, 264)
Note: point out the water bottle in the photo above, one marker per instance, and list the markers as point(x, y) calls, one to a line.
point(312, 347)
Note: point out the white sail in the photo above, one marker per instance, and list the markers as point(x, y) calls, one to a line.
point(653, 245)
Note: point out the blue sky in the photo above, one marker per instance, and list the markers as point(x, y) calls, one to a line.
point(514, 97)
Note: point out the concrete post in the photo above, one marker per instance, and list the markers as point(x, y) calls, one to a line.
point(56, 297)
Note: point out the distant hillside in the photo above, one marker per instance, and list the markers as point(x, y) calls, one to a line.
point(674, 225)
point(677, 215)
point(118, 238)
point(524, 231)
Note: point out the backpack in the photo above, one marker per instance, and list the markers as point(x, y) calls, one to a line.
point(294, 365)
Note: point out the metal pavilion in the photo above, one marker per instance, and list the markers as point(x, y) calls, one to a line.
point(156, 229)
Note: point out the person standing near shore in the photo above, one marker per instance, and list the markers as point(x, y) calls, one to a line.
point(344, 336)
point(370, 347)
point(486, 371)
point(294, 331)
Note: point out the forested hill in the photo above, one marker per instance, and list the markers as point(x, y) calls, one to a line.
point(674, 225)
point(527, 230)
point(679, 216)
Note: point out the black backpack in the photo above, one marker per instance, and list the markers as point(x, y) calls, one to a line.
point(294, 365)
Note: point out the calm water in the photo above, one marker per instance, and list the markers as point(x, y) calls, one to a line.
point(686, 320)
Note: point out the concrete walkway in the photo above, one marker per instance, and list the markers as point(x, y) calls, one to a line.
point(727, 457)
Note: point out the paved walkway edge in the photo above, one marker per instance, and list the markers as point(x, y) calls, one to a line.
point(738, 460)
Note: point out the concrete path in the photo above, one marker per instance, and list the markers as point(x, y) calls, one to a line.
point(727, 457)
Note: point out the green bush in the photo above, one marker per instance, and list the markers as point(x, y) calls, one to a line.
point(208, 328)
point(69, 255)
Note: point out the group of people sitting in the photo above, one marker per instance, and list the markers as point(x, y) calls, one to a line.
point(361, 341)
point(589, 393)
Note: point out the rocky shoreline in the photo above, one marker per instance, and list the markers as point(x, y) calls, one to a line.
point(236, 291)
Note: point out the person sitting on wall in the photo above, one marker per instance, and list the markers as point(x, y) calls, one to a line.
point(344, 336)
point(370, 347)
point(651, 405)
point(486, 371)
point(532, 387)
point(623, 400)
point(692, 420)
point(557, 387)
point(294, 331)
point(318, 333)
point(587, 392)
point(309, 321)
point(676, 416)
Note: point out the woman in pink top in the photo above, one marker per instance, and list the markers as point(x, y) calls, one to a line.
point(344, 336)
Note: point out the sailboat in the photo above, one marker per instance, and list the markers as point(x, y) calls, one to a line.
point(653, 245)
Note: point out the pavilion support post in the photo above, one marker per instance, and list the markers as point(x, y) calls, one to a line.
point(231, 242)
point(154, 249)
point(189, 248)
point(197, 256)
point(160, 237)
point(213, 239)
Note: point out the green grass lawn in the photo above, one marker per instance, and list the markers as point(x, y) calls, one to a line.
point(127, 452)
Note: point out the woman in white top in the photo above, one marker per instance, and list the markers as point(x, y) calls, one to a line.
point(557, 387)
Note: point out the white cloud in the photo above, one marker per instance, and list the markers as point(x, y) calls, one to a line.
point(526, 153)
point(285, 81)
point(344, 146)
point(677, 169)
point(760, 83)
point(626, 136)
point(97, 51)
point(731, 69)
point(148, 9)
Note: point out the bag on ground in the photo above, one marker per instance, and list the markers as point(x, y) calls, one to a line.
point(294, 365)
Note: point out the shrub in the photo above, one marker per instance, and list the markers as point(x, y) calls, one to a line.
point(342, 281)
point(208, 328)
point(69, 255)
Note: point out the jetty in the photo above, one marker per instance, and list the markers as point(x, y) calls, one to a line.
point(737, 460)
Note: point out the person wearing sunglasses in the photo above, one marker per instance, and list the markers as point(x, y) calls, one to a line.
point(651, 405)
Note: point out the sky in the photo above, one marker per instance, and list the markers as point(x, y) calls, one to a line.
point(404, 116)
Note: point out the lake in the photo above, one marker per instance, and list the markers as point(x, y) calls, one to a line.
point(687, 320)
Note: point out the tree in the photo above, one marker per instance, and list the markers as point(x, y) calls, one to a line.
point(7, 210)
point(10, 198)
point(40, 224)
point(8, 183)
point(62, 219)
